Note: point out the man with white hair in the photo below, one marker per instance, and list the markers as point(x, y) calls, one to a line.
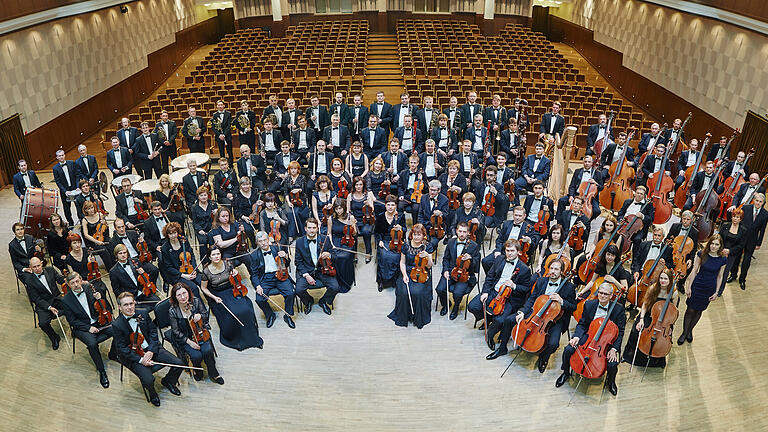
point(87, 165)
point(128, 134)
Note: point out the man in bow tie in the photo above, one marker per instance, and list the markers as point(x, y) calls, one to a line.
point(42, 285)
point(167, 130)
point(597, 132)
point(25, 178)
point(383, 109)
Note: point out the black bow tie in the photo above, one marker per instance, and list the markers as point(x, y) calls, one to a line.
point(554, 283)
point(380, 103)
point(655, 246)
point(78, 293)
point(159, 219)
point(605, 308)
point(335, 128)
point(602, 126)
point(510, 262)
point(122, 237)
point(268, 133)
point(127, 265)
point(24, 173)
point(461, 243)
point(268, 252)
point(538, 157)
point(311, 241)
point(427, 109)
point(404, 106)
point(453, 109)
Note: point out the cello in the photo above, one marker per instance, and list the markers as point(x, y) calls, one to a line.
point(587, 192)
point(752, 194)
point(659, 185)
point(682, 245)
point(705, 204)
point(590, 360)
point(676, 151)
point(531, 333)
point(587, 268)
point(605, 140)
point(656, 339)
point(621, 176)
point(648, 277)
point(632, 225)
point(730, 187)
point(593, 291)
point(681, 196)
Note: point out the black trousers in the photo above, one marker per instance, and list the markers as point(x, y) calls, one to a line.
point(272, 286)
point(44, 318)
point(146, 374)
point(196, 146)
point(225, 145)
point(553, 336)
point(612, 367)
point(331, 289)
point(92, 342)
point(459, 290)
point(248, 139)
point(405, 205)
point(67, 204)
point(496, 322)
point(746, 261)
point(166, 154)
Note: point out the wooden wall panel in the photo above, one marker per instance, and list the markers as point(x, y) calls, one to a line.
point(757, 9)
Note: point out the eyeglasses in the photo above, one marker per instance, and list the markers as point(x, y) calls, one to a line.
point(133, 303)
point(603, 293)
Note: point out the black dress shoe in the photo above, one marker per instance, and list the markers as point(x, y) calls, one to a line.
point(444, 310)
point(112, 356)
point(500, 351)
point(289, 321)
point(562, 379)
point(689, 338)
point(380, 286)
point(367, 260)
point(154, 399)
point(103, 379)
point(307, 308)
point(325, 308)
point(730, 279)
point(482, 326)
point(218, 380)
point(743, 285)
point(681, 339)
point(55, 344)
point(198, 375)
point(271, 320)
point(454, 314)
point(171, 387)
point(542, 365)
point(490, 342)
point(611, 386)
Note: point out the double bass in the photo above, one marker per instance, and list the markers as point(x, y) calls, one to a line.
point(731, 185)
point(590, 359)
point(659, 185)
point(681, 195)
point(621, 175)
point(604, 142)
point(706, 204)
point(648, 277)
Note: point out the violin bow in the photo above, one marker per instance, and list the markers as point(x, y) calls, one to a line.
point(233, 315)
point(58, 318)
point(176, 366)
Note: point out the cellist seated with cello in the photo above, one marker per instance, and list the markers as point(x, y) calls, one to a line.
point(637, 207)
point(594, 309)
point(594, 179)
point(459, 247)
point(518, 229)
point(703, 181)
point(649, 251)
point(510, 280)
point(266, 280)
point(652, 164)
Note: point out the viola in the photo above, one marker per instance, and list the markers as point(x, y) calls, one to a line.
point(632, 225)
point(587, 192)
point(141, 212)
point(590, 359)
point(523, 252)
point(295, 198)
point(326, 263)
point(418, 189)
point(348, 233)
point(593, 291)
point(681, 247)
point(199, 332)
point(587, 268)
point(242, 242)
point(509, 189)
point(656, 339)
point(282, 268)
point(420, 271)
point(648, 277)
point(621, 176)
point(531, 333)
point(496, 306)
point(489, 206)
point(148, 287)
point(341, 185)
point(274, 231)
point(705, 205)
point(93, 269)
point(368, 216)
point(238, 287)
point(100, 232)
point(681, 195)
point(472, 231)
point(186, 259)
point(453, 198)
point(143, 250)
point(460, 272)
point(731, 185)
point(576, 237)
point(436, 229)
point(542, 225)
point(136, 339)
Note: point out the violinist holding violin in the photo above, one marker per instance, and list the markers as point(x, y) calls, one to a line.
point(340, 179)
point(589, 179)
point(177, 260)
point(273, 220)
point(96, 232)
point(80, 261)
point(574, 217)
point(138, 347)
point(86, 194)
point(131, 241)
point(342, 236)
point(127, 202)
point(413, 292)
point(463, 255)
point(266, 264)
point(310, 249)
point(154, 229)
point(493, 202)
point(469, 213)
point(225, 183)
point(361, 205)
point(297, 208)
point(388, 223)
point(434, 204)
point(169, 195)
point(538, 203)
point(90, 326)
point(508, 276)
point(186, 311)
point(411, 187)
point(124, 277)
point(202, 219)
point(594, 309)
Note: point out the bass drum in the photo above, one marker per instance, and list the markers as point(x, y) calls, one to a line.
point(36, 210)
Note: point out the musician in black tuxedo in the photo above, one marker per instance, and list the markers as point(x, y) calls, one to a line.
point(87, 166)
point(536, 167)
point(433, 203)
point(273, 109)
point(552, 123)
point(263, 271)
point(507, 270)
point(538, 202)
point(469, 163)
point(518, 229)
point(23, 179)
point(613, 151)
point(497, 115)
point(426, 118)
point(676, 132)
point(503, 172)
point(490, 188)
point(130, 240)
point(559, 290)
point(373, 138)
point(119, 159)
point(747, 191)
point(399, 111)
point(649, 140)
point(303, 139)
point(511, 143)
point(270, 139)
point(406, 184)
point(78, 305)
point(146, 152)
point(469, 110)
point(225, 194)
point(153, 228)
point(123, 278)
point(444, 137)
point(358, 118)
point(290, 118)
point(453, 113)
point(736, 167)
point(653, 164)
point(685, 227)
point(309, 249)
point(42, 284)
point(755, 220)
point(132, 321)
point(280, 166)
point(66, 174)
point(196, 141)
point(191, 181)
point(687, 159)
point(317, 115)
point(245, 121)
point(431, 161)
point(383, 110)
point(567, 218)
point(703, 181)
point(340, 108)
point(127, 134)
point(477, 134)
point(650, 250)
point(459, 246)
point(597, 131)
point(411, 139)
point(592, 175)
point(597, 308)
point(336, 136)
point(125, 204)
point(638, 206)
point(221, 124)
point(251, 166)
point(21, 249)
point(319, 164)
point(719, 151)
point(167, 131)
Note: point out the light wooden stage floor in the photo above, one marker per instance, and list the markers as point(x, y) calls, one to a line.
point(356, 370)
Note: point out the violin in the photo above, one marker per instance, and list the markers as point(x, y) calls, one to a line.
point(327, 210)
point(148, 287)
point(274, 231)
point(186, 259)
point(100, 232)
point(656, 339)
point(396, 241)
point(509, 188)
point(587, 192)
point(542, 225)
point(341, 185)
point(420, 271)
point(731, 185)
point(143, 250)
point(489, 207)
point(386, 187)
point(531, 333)
point(175, 204)
point(621, 176)
point(436, 229)
point(295, 198)
point(348, 233)
point(525, 248)
point(326, 263)
point(460, 272)
point(496, 306)
point(282, 268)
point(593, 291)
point(705, 205)
point(681, 247)
point(136, 339)
point(472, 231)
point(99, 206)
point(255, 211)
point(418, 189)
point(93, 268)
point(238, 287)
point(681, 195)
point(587, 268)
point(576, 237)
point(199, 332)
point(368, 216)
point(632, 225)
point(590, 360)
point(141, 212)
point(102, 311)
point(649, 276)
point(242, 242)
point(453, 198)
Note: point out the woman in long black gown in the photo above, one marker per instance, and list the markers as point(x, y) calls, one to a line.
point(57, 244)
point(373, 180)
point(296, 184)
point(343, 258)
point(413, 300)
point(387, 261)
point(734, 236)
point(359, 198)
point(657, 293)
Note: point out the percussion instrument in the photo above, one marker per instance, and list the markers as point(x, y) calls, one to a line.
point(146, 187)
point(180, 162)
point(36, 210)
point(178, 175)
